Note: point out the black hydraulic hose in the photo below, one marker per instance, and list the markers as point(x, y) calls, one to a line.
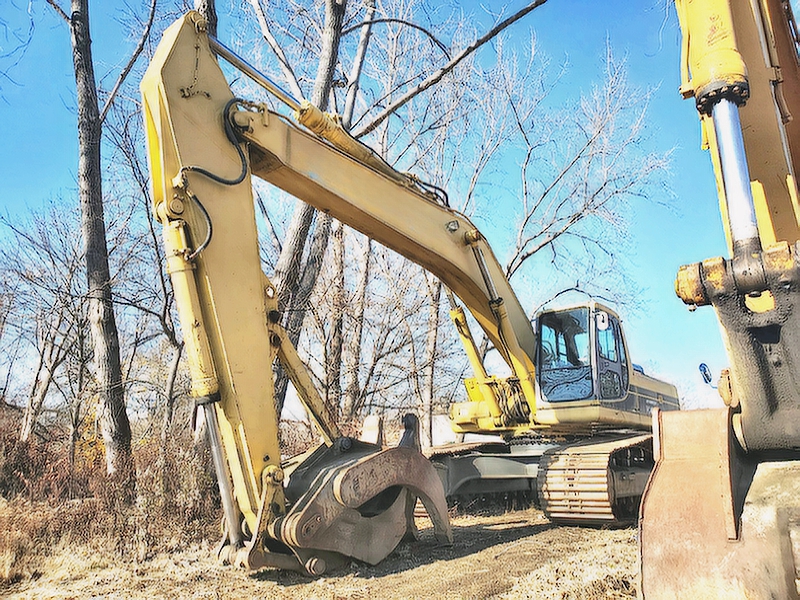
point(231, 135)
point(209, 229)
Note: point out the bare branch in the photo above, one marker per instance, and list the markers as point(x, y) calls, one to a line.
point(59, 10)
point(358, 65)
point(288, 73)
point(370, 21)
point(124, 73)
point(452, 64)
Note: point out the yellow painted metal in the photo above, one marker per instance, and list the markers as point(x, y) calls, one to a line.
point(187, 301)
point(329, 126)
point(710, 58)
point(228, 314)
point(770, 123)
point(479, 388)
point(725, 531)
point(404, 219)
point(318, 412)
point(771, 142)
point(184, 95)
point(459, 319)
point(184, 92)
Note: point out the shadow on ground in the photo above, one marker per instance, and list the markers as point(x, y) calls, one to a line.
point(468, 539)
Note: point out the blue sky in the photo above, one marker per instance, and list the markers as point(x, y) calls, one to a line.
point(39, 157)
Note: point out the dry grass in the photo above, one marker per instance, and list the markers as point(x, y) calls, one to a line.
point(63, 536)
point(47, 506)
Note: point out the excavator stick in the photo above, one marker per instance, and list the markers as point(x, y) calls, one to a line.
point(715, 522)
point(345, 499)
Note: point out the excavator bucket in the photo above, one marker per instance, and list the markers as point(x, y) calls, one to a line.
point(737, 520)
point(349, 500)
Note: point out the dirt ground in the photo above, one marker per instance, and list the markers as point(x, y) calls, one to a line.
point(511, 556)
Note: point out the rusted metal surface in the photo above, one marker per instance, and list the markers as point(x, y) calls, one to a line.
point(595, 482)
point(763, 344)
point(350, 500)
point(714, 522)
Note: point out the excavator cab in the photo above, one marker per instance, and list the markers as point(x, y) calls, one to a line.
point(581, 355)
point(582, 358)
point(584, 381)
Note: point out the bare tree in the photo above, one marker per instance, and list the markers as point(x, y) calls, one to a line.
point(294, 289)
point(112, 416)
point(581, 170)
point(354, 342)
point(144, 286)
point(46, 271)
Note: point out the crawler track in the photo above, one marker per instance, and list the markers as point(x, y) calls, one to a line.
point(595, 482)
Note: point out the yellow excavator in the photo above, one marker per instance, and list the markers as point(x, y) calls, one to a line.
point(582, 418)
point(720, 511)
point(720, 516)
point(579, 446)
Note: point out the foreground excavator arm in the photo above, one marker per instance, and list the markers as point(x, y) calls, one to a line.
point(721, 516)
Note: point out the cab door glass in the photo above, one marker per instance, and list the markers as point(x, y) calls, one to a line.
point(610, 369)
point(564, 366)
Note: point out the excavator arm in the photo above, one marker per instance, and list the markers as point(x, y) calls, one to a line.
point(720, 516)
point(346, 498)
point(326, 168)
point(401, 217)
point(204, 146)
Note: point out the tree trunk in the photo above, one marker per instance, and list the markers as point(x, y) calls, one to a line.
point(352, 357)
point(429, 365)
point(76, 404)
point(169, 392)
point(294, 321)
point(333, 368)
point(295, 289)
point(333, 371)
point(113, 419)
point(35, 401)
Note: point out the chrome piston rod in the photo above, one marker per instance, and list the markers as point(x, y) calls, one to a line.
point(735, 176)
point(223, 476)
point(237, 61)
